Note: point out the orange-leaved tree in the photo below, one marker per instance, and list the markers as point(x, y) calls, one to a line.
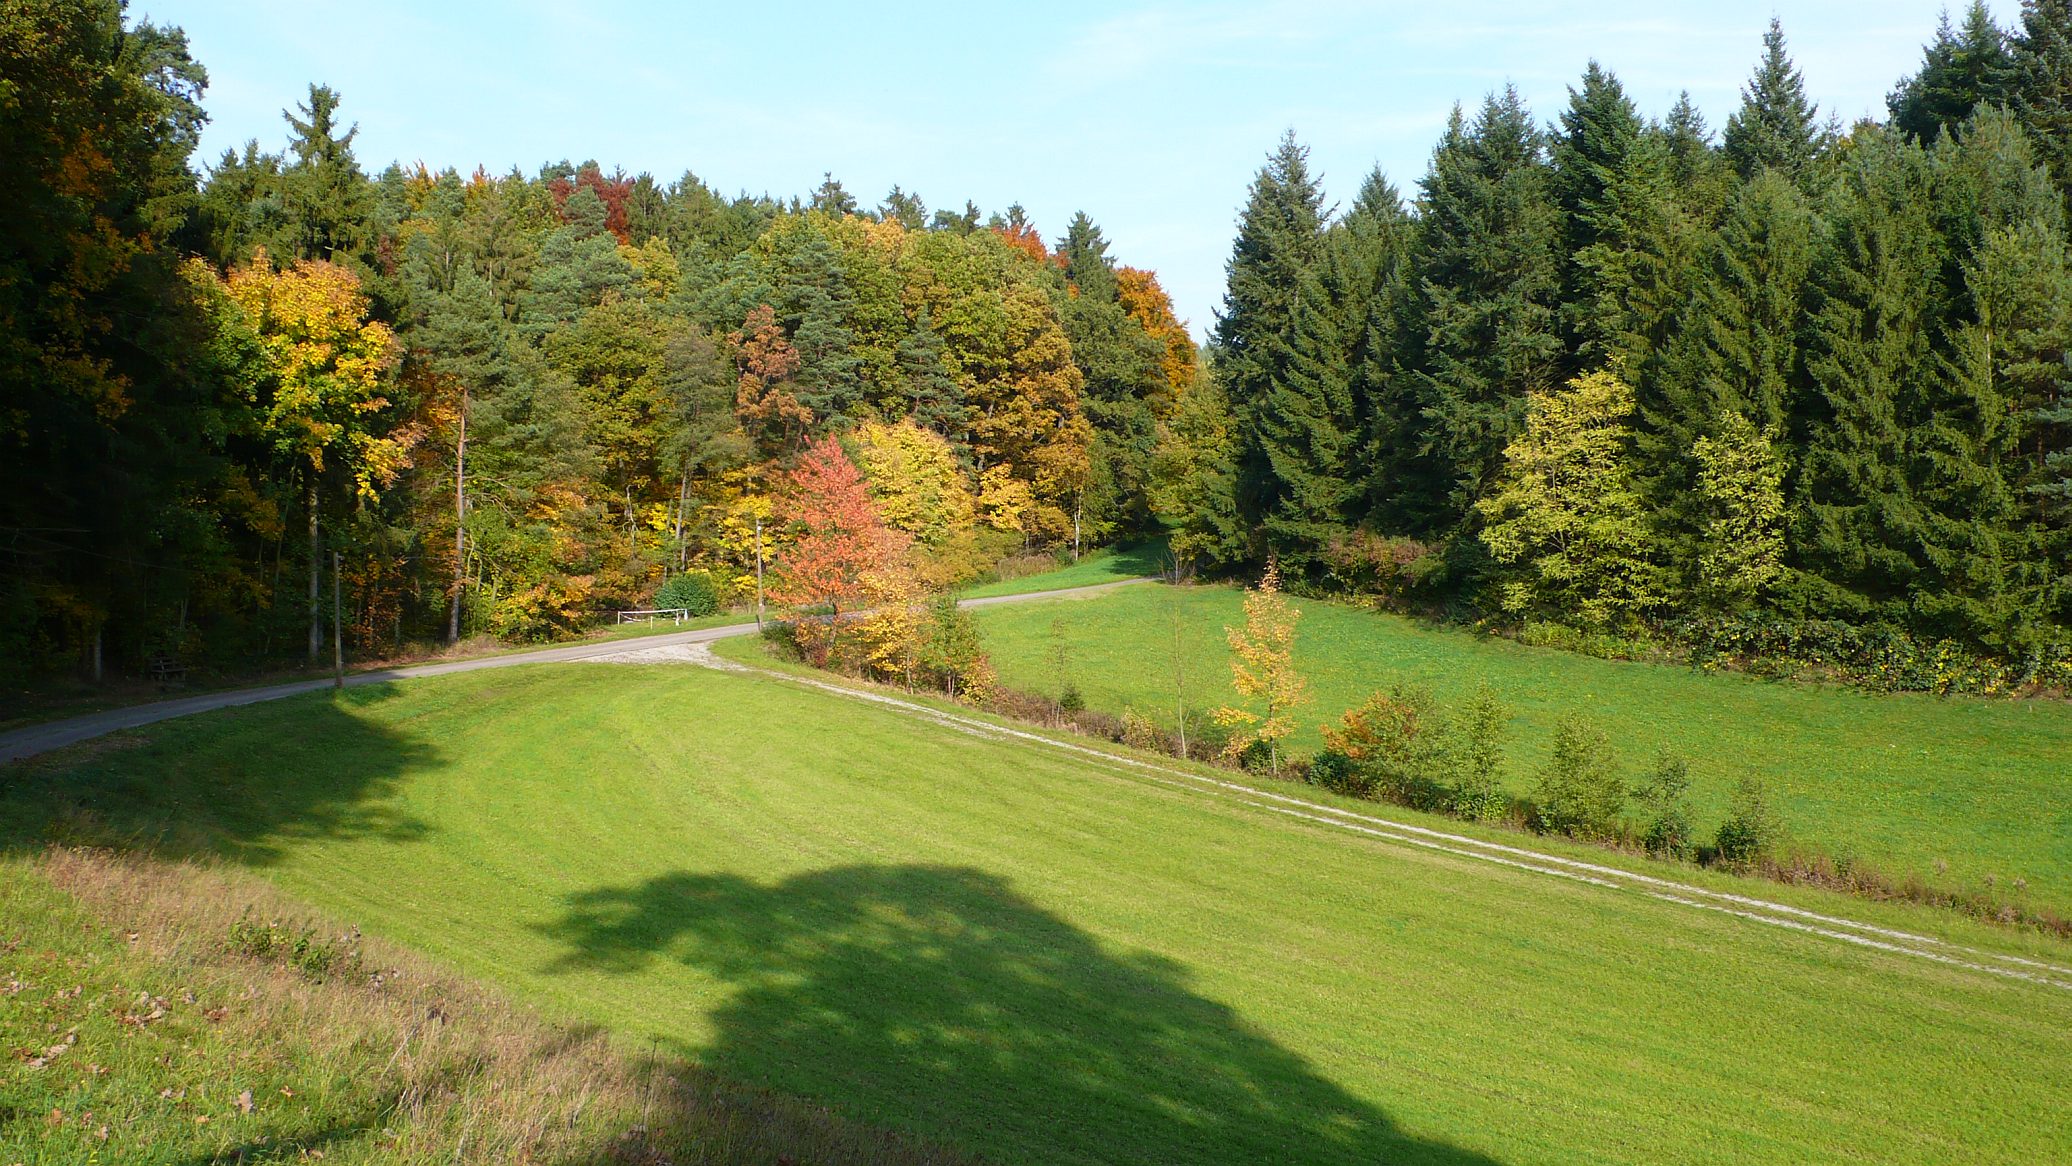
point(1262, 669)
point(838, 544)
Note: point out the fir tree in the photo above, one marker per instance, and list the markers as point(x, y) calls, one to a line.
point(1698, 173)
point(2043, 83)
point(1869, 349)
point(1774, 127)
point(325, 194)
point(1278, 244)
point(1489, 282)
point(1735, 351)
point(1960, 71)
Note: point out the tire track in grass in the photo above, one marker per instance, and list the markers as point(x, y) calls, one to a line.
point(1756, 910)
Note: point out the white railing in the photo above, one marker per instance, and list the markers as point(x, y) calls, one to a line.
point(679, 614)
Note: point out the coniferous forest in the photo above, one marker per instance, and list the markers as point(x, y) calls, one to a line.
point(1789, 388)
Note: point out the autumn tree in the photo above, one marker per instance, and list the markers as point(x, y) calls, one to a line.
point(1262, 669)
point(764, 400)
point(837, 541)
point(326, 365)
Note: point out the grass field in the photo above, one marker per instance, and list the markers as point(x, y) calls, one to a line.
point(1109, 565)
point(1955, 789)
point(1041, 959)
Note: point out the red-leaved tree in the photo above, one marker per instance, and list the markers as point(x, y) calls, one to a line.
point(838, 541)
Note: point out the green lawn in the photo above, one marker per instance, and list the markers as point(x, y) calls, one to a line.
point(1039, 958)
point(1910, 783)
point(1109, 565)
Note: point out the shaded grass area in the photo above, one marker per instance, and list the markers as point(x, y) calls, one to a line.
point(1109, 565)
point(146, 1027)
point(1956, 789)
point(1035, 958)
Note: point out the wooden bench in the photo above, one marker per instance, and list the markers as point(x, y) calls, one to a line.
point(167, 670)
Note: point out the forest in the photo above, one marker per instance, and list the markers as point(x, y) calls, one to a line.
point(1792, 388)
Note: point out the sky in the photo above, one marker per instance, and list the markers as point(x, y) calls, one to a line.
point(1150, 117)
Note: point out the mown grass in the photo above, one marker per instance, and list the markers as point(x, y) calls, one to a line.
point(146, 1025)
point(1109, 565)
point(1956, 789)
point(1037, 958)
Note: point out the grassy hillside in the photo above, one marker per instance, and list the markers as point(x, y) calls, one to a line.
point(163, 1012)
point(1952, 788)
point(1039, 958)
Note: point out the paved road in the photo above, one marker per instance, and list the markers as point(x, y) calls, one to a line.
point(57, 734)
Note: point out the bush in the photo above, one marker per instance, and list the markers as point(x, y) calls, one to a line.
point(1070, 701)
point(1479, 757)
point(694, 591)
point(1752, 829)
point(1400, 743)
point(1580, 792)
point(1663, 799)
point(1340, 774)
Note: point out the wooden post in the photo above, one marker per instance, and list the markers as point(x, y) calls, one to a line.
point(337, 632)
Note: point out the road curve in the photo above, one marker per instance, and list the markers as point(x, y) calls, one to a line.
point(35, 739)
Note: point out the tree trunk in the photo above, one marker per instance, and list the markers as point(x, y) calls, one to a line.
point(460, 512)
point(683, 494)
point(316, 621)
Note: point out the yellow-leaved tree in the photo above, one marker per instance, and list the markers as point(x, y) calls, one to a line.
point(1262, 669)
point(320, 398)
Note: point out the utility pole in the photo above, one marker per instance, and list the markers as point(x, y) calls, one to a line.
point(337, 632)
point(758, 572)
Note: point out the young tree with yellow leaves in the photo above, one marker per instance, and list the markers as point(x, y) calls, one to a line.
point(1262, 669)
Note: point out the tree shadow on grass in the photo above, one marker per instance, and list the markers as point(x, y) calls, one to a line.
point(243, 783)
point(937, 1000)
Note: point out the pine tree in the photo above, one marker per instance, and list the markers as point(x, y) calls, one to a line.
point(1489, 287)
point(1774, 127)
point(1960, 71)
point(1278, 243)
point(1305, 427)
point(1377, 238)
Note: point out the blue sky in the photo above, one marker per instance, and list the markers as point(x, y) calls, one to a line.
point(1150, 117)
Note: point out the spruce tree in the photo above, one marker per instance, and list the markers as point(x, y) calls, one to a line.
point(1305, 428)
point(1775, 125)
point(1735, 351)
point(1870, 347)
point(1698, 173)
point(2043, 83)
point(1489, 280)
point(1960, 71)
point(1623, 235)
point(1278, 244)
point(325, 194)
point(1378, 235)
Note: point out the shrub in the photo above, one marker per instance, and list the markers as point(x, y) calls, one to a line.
point(1479, 758)
point(271, 941)
point(1400, 742)
point(1340, 774)
point(1752, 829)
point(1580, 792)
point(694, 591)
point(1070, 701)
point(1663, 799)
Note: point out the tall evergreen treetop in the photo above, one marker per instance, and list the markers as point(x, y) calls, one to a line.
point(1085, 256)
point(1775, 125)
point(1960, 71)
point(2043, 83)
point(1278, 244)
point(327, 195)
